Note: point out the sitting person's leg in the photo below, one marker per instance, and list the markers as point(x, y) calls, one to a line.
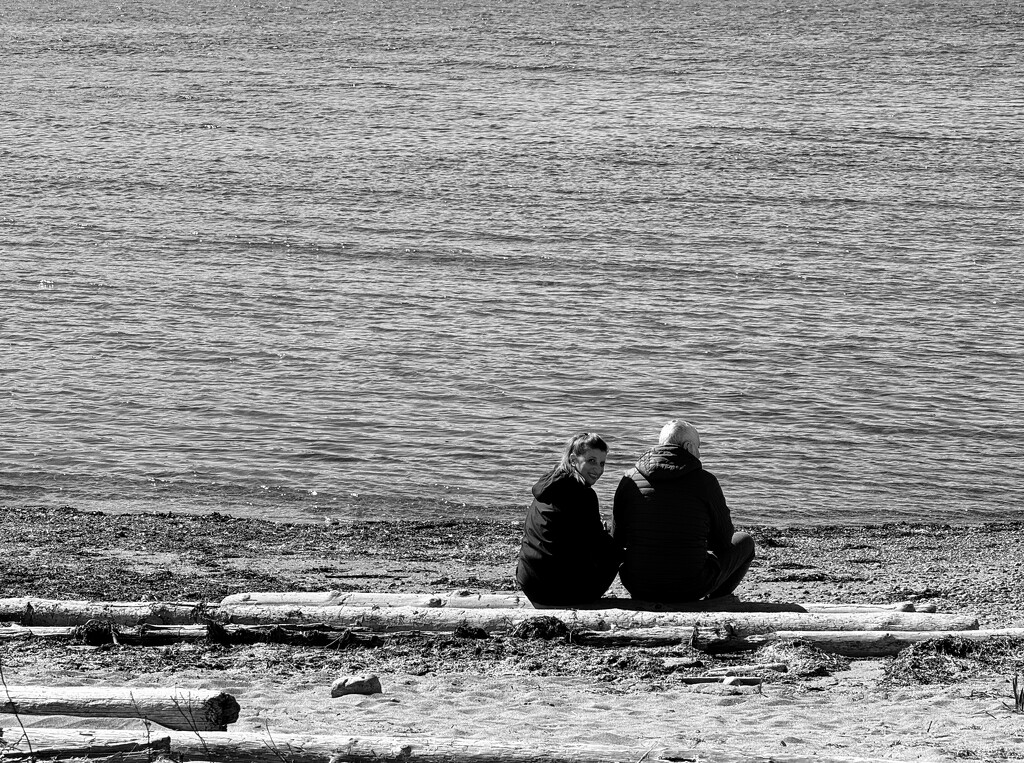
point(733, 566)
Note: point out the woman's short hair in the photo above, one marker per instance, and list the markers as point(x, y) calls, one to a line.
point(577, 446)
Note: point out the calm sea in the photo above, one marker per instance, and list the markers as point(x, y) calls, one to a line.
point(380, 259)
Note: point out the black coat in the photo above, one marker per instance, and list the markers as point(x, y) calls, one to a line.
point(567, 557)
point(669, 513)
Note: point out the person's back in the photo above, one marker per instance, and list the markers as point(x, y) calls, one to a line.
point(565, 548)
point(672, 519)
point(567, 557)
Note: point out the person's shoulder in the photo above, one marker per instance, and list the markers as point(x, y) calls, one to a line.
point(707, 479)
point(556, 485)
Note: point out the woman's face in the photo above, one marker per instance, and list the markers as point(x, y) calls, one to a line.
point(590, 465)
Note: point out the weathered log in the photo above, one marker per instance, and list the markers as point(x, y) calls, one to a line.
point(55, 612)
point(459, 599)
point(876, 643)
point(644, 637)
point(444, 619)
point(262, 747)
point(255, 748)
point(63, 744)
point(305, 633)
point(95, 632)
point(173, 708)
point(462, 599)
point(746, 670)
point(737, 680)
point(469, 600)
point(18, 632)
point(58, 613)
point(301, 634)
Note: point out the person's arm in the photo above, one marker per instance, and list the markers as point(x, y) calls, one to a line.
point(720, 537)
point(620, 512)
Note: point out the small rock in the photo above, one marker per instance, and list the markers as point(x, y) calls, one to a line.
point(366, 684)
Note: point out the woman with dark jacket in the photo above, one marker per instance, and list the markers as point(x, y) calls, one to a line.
point(567, 557)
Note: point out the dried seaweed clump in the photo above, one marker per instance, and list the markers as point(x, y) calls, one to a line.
point(944, 660)
point(803, 659)
point(95, 632)
point(545, 627)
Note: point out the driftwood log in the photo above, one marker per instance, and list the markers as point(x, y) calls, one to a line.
point(57, 612)
point(172, 708)
point(876, 643)
point(447, 619)
point(95, 632)
point(463, 599)
point(60, 613)
point(738, 680)
point(742, 624)
point(238, 747)
point(747, 670)
point(298, 634)
point(319, 634)
point(64, 744)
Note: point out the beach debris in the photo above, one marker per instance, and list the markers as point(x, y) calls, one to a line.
point(1018, 694)
point(949, 656)
point(545, 627)
point(358, 684)
point(683, 663)
point(849, 643)
point(748, 669)
point(724, 680)
point(802, 659)
point(470, 631)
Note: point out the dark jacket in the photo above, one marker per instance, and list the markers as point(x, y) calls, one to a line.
point(669, 513)
point(567, 556)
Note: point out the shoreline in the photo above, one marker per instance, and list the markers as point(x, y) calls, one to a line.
point(373, 508)
point(923, 704)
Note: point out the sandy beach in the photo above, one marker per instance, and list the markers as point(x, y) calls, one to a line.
point(926, 703)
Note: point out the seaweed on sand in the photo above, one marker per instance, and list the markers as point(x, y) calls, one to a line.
point(946, 659)
point(803, 660)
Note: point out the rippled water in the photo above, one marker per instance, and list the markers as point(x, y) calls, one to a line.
point(363, 259)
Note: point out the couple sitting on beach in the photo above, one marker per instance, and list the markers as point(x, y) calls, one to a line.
point(672, 538)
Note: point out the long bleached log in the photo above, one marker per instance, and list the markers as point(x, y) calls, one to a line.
point(444, 619)
point(469, 600)
point(295, 748)
point(458, 599)
point(63, 613)
point(19, 632)
point(311, 634)
point(57, 612)
point(462, 599)
point(146, 635)
point(303, 633)
point(878, 643)
point(172, 708)
point(64, 744)
point(264, 747)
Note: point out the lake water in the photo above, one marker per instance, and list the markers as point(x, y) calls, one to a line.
point(381, 259)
